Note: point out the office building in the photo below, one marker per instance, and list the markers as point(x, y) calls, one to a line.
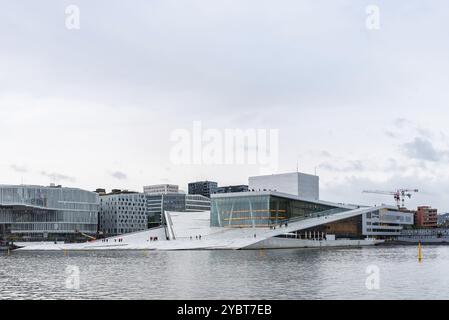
point(54, 213)
point(295, 183)
point(231, 189)
point(197, 202)
point(386, 223)
point(426, 217)
point(160, 189)
point(122, 212)
point(179, 202)
point(205, 188)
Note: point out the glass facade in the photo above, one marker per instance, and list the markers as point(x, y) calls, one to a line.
point(263, 210)
point(35, 212)
point(205, 188)
point(157, 204)
point(196, 202)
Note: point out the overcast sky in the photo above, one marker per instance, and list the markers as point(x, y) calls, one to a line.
point(96, 106)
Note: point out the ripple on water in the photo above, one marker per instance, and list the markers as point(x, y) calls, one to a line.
point(268, 274)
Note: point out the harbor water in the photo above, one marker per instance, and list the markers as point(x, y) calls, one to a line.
point(352, 273)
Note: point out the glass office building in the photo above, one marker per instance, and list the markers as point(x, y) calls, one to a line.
point(47, 213)
point(264, 209)
point(179, 202)
point(197, 202)
point(204, 188)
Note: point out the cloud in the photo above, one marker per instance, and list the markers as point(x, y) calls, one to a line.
point(349, 190)
point(18, 168)
point(54, 176)
point(401, 122)
point(391, 134)
point(119, 175)
point(422, 149)
point(353, 165)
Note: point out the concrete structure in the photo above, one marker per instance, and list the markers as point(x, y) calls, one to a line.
point(36, 213)
point(295, 183)
point(157, 189)
point(426, 217)
point(232, 189)
point(204, 188)
point(122, 213)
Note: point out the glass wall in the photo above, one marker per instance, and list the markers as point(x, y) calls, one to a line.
point(262, 210)
point(46, 210)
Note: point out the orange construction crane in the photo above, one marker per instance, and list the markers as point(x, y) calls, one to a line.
point(398, 195)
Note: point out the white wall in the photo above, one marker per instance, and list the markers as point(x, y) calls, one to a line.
point(295, 183)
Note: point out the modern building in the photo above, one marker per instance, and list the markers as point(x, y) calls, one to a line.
point(157, 204)
point(179, 202)
point(260, 220)
point(426, 217)
point(386, 223)
point(295, 183)
point(204, 188)
point(268, 209)
point(255, 220)
point(36, 213)
point(196, 203)
point(232, 189)
point(443, 220)
point(161, 189)
point(265, 209)
point(122, 213)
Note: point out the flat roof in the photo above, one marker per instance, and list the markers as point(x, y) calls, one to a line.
point(285, 174)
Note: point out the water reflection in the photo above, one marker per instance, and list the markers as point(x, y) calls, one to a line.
point(268, 274)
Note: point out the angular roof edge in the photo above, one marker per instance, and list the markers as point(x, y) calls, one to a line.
point(284, 195)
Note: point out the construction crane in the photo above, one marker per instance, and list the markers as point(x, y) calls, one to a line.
point(398, 195)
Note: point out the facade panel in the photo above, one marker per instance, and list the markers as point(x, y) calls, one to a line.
point(296, 183)
point(263, 210)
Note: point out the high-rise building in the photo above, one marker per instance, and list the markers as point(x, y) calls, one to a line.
point(161, 189)
point(231, 189)
point(37, 213)
point(295, 183)
point(205, 188)
point(426, 217)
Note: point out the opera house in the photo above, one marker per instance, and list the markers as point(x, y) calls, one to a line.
point(256, 220)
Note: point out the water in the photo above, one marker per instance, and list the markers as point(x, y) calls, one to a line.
point(268, 274)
